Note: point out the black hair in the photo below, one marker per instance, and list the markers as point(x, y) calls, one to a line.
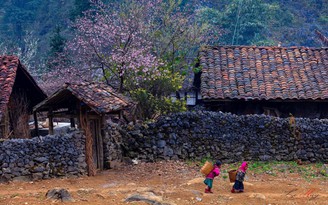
point(218, 163)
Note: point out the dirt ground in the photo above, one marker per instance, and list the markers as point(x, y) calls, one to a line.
point(170, 183)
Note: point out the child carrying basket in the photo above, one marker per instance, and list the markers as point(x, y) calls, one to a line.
point(210, 172)
point(239, 185)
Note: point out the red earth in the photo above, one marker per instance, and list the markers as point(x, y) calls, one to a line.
point(172, 182)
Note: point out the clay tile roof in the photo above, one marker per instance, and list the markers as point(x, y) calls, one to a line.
point(100, 97)
point(8, 68)
point(251, 72)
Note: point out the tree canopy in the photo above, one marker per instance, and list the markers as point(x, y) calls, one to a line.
point(144, 48)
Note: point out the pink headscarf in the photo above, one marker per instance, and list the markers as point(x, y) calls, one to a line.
point(243, 166)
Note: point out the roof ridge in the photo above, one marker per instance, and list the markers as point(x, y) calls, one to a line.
point(205, 47)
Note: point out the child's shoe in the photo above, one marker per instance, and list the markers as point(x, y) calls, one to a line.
point(232, 190)
point(208, 191)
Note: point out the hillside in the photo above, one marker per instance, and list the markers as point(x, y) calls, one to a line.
point(29, 26)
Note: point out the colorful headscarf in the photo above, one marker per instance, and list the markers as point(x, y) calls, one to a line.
point(243, 166)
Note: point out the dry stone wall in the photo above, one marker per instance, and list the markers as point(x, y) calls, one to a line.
point(42, 157)
point(196, 135)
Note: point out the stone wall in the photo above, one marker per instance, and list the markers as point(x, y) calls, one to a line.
point(42, 157)
point(196, 135)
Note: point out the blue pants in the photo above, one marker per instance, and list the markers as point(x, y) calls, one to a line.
point(238, 186)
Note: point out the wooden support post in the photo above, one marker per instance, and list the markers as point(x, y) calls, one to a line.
point(36, 124)
point(51, 123)
point(7, 122)
point(100, 143)
point(106, 163)
point(85, 124)
point(72, 122)
point(78, 108)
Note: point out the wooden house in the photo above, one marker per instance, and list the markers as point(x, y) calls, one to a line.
point(89, 104)
point(18, 94)
point(275, 81)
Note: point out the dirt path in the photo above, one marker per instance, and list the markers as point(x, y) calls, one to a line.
point(170, 183)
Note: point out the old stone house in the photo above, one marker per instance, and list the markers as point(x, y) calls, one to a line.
point(90, 104)
point(18, 94)
point(275, 81)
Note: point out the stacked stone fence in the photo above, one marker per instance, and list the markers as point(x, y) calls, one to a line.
point(217, 135)
point(189, 135)
point(42, 157)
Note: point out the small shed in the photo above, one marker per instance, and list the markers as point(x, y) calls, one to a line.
point(265, 79)
point(19, 93)
point(88, 103)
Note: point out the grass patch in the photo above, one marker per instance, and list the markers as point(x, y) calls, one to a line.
point(273, 168)
point(308, 171)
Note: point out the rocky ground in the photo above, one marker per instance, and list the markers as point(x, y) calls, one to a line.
point(174, 182)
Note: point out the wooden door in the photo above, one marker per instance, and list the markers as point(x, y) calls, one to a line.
point(97, 148)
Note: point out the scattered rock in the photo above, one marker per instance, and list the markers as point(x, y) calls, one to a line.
point(85, 191)
point(196, 192)
point(101, 196)
point(148, 197)
point(109, 185)
point(59, 195)
point(135, 161)
point(257, 196)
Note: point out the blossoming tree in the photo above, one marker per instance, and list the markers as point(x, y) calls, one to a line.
point(140, 47)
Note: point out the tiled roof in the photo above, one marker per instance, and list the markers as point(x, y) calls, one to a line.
point(250, 72)
point(8, 68)
point(99, 97)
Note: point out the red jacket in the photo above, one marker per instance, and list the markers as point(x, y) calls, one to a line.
point(215, 172)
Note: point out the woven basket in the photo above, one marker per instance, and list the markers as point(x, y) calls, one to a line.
point(232, 175)
point(207, 168)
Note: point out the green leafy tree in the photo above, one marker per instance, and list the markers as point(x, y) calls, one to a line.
point(79, 7)
point(57, 42)
point(246, 22)
point(16, 19)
